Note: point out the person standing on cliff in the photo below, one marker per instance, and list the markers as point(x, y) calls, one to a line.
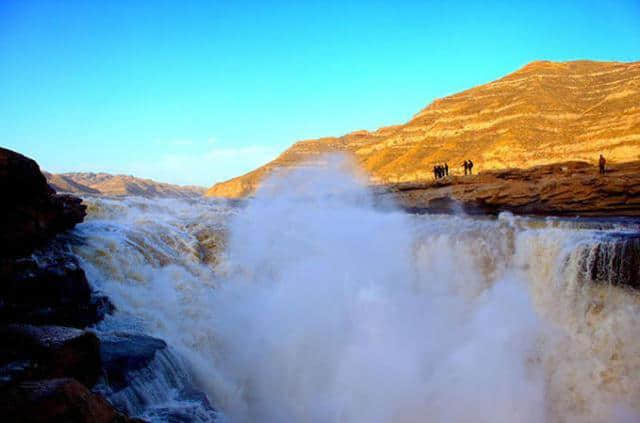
point(466, 167)
point(435, 172)
point(446, 169)
point(470, 167)
point(601, 163)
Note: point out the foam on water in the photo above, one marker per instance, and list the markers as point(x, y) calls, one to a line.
point(312, 304)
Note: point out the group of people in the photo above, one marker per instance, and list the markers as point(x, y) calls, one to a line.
point(468, 167)
point(440, 171)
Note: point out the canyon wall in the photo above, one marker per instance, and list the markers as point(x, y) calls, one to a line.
point(544, 113)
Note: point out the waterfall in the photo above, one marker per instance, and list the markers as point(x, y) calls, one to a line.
point(311, 302)
point(162, 391)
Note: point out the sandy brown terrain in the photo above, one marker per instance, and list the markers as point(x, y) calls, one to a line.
point(563, 189)
point(544, 113)
point(107, 184)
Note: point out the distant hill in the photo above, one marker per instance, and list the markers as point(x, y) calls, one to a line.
point(546, 112)
point(107, 184)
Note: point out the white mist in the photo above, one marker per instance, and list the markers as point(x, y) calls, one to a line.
point(312, 304)
point(327, 316)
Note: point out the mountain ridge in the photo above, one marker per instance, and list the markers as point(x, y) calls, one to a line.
point(100, 183)
point(543, 113)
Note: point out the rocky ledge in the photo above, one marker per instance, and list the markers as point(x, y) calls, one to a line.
point(563, 189)
point(57, 400)
point(45, 352)
point(48, 363)
point(50, 289)
point(32, 212)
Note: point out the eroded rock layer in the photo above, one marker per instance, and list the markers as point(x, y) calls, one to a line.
point(544, 113)
point(562, 189)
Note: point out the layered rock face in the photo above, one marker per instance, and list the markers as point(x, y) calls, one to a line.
point(52, 289)
point(544, 113)
point(107, 184)
point(47, 364)
point(32, 212)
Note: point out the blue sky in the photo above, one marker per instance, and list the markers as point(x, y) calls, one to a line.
point(197, 92)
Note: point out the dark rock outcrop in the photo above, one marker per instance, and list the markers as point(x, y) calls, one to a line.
point(45, 371)
point(50, 352)
point(124, 353)
point(31, 212)
point(56, 400)
point(51, 289)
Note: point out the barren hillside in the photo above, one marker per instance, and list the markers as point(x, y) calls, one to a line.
point(544, 113)
point(107, 184)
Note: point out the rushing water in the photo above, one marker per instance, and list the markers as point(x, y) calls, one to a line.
point(310, 303)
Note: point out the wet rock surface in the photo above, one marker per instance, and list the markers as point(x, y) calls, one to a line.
point(149, 380)
point(51, 352)
point(56, 400)
point(49, 289)
point(614, 260)
point(124, 353)
point(47, 364)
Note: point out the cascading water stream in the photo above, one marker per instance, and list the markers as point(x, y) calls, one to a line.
point(310, 303)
